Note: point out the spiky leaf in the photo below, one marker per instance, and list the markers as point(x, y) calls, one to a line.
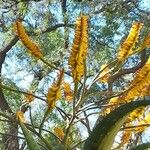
point(102, 136)
point(32, 144)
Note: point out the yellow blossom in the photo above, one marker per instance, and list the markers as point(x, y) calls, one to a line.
point(140, 81)
point(146, 43)
point(126, 47)
point(147, 118)
point(31, 46)
point(136, 113)
point(20, 116)
point(79, 48)
point(29, 98)
point(125, 137)
point(113, 100)
point(54, 92)
point(59, 132)
point(67, 91)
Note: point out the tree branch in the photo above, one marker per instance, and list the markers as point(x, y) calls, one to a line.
point(53, 28)
point(122, 72)
point(3, 103)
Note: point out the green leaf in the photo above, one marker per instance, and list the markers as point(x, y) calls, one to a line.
point(103, 135)
point(144, 146)
point(32, 144)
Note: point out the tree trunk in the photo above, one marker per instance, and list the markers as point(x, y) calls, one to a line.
point(9, 140)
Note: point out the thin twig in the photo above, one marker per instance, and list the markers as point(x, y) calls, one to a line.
point(136, 126)
point(78, 144)
point(22, 92)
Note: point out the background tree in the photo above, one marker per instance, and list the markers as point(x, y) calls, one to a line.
point(25, 78)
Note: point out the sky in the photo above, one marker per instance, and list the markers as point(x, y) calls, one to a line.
point(145, 4)
point(28, 78)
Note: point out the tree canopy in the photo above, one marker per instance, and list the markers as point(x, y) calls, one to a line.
point(74, 74)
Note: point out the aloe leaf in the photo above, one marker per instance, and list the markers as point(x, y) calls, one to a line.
point(103, 135)
point(32, 144)
point(144, 146)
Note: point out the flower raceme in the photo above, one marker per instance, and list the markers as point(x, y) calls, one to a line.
point(59, 132)
point(137, 113)
point(140, 81)
point(127, 46)
point(29, 97)
point(79, 48)
point(54, 92)
point(146, 43)
point(20, 116)
point(143, 123)
point(139, 86)
point(68, 93)
point(145, 91)
point(125, 137)
point(25, 39)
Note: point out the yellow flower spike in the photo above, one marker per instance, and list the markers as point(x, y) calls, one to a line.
point(67, 91)
point(113, 100)
point(25, 39)
point(126, 47)
point(140, 128)
point(29, 98)
point(145, 91)
point(140, 81)
point(20, 116)
point(79, 48)
point(54, 92)
point(142, 73)
point(147, 118)
point(126, 137)
point(59, 132)
point(146, 43)
point(136, 113)
point(113, 103)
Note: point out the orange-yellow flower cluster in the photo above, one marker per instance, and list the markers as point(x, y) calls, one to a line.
point(146, 43)
point(20, 116)
point(54, 92)
point(113, 103)
point(125, 137)
point(59, 132)
point(147, 118)
point(136, 113)
point(29, 98)
point(143, 123)
point(28, 43)
point(140, 81)
point(145, 91)
point(67, 91)
point(114, 100)
point(126, 47)
point(79, 48)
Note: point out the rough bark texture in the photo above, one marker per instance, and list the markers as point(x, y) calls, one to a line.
point(9, 142)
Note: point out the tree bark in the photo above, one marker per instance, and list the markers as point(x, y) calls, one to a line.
point(9, 142)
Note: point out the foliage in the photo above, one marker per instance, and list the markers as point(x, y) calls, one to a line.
point(85, 85)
